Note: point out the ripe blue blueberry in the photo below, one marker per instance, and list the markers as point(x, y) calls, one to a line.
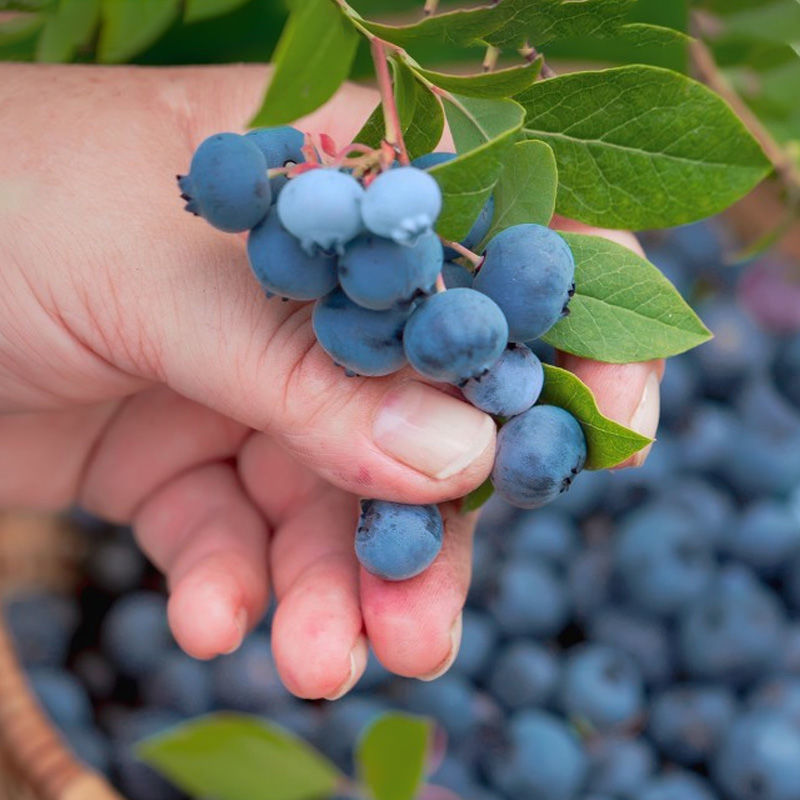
point(590, 578)
point(227, 183)
point(282, 147)
point(402, 204)
point(759, 758)
point(539, 453)
point(378, 273)
point(61, 696)
point(484, 221)
point(41, 627)
point(478, 643)
point(322, 208)
point(676, 785)
point(688, 721)
point(456, 276)
point(248, 679)
point(619, 767)
point(283, 268)
point(512, 385)
point(525, 673)
point(364, 342)
point(397, 541)
point(542, 760)
point(181, 684)
point(545, 534)
point(529, 272)
point(455, 335)
point(601, 686)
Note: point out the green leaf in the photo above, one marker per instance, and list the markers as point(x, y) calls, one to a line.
point(778, 22)
point(236, 757)
point(642, 147)
point(483, 131)
point(372, 132)
point(624, 309)
point(642, 34)
point(421, 114)
point(501, 83)
point(608, 443)
point(312, 59)
point(70, 27)
point(198, 10)
point(477, 497)
point(392, 755)
point(130, 26)
point(20, 27)
point(526, 191)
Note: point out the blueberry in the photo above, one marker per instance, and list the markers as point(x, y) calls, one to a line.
point(227, 183)
point(283, 268)
point(539, 453)
point(362, 341)
point(543, 759)
point(687, 722)
point(786, 369)
point(546, 534)
point(524, 673)
point(343, 722)
point(709, 506)
point(759, 758)
point(375, 675)
point(478, 642)
point(646, 641)
point(512, 385)
point(181, 684)
point(455, 335)
point(90, 747)
point(282, 147)
point(397, 541)
point(675, 785)
point(699, 243)
point(529, 599)
point(663, 563)
point(115, 564)
point(529, 272)
point(589, 578)
point(456, 276)
point(402, 204)
point(378, 273)
point(601, 686)
point(62, 697)
point(322, 208)
point(41, 626)
point(135, 634)
point(619, 767)
point(484, 221)
point(678, 389)
point(779, 695)
point(733, 631)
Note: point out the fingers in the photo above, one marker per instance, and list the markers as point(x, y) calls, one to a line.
point(317, 639)
point(203, 532)
point(627, 393)
point(415, 626)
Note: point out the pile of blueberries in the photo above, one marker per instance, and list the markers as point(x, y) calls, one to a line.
point(638, 639)
point(358, 240)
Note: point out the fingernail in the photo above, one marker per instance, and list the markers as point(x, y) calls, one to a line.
point(358, 663)
point(645, 418)
point(430, 431)
point(240, 624)
point(455, 645)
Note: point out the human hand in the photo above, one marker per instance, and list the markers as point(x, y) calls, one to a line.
point(144, 374)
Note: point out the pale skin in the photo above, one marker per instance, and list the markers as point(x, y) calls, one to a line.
point(144, 375)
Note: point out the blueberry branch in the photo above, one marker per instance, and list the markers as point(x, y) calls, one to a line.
point(464, 252)
point(394, 131)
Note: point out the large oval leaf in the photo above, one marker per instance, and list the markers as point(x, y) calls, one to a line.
point(130, 26)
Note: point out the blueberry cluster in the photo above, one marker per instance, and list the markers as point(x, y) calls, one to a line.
point(361, 244)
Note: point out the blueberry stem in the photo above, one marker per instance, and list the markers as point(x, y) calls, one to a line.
point(440, 285)
point(430, 7)
point(391, 117)
point(473, 258)
point(491, 58)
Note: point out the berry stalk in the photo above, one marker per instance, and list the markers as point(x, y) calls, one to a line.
point(391, 117)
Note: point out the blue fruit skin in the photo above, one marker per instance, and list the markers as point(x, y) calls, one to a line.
point(478, 642)
point(544, 759)
point(529, 599)
point(484, 221)
point(662, 562)
point(402, 204)
point(41, 627)
point(675, 785)
point(601, 686)
point(524, 674)
point(64, 700)
point(539, 453)
point(455, 335)
point(619, 767)
point(227, 183)
point(180, 683)
point(545, 534)
point(687, 722)
point(456, 276)
point(780, 695)
point(733, 631)
point(645, 640)
point(511, 386)
point(342, 724)
point(396, 541)
point(281, 147)
point(135, 634)
point(322, 208)
point(363, 342)
point(283, 268)
point(379, 274)
point(759, 758)
point(90, 747)
point(589, 578)
point(529, 272)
